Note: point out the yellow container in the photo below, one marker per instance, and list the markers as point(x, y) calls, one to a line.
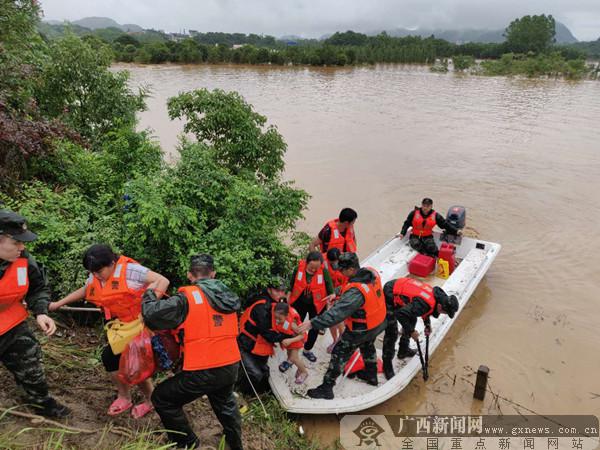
point(119, 333)
point(443, 268)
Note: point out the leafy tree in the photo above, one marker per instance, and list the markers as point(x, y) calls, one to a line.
point(531, 34)
point(235, 132)
point(77, 87)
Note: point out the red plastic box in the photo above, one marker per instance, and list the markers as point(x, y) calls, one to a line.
point(421, 265)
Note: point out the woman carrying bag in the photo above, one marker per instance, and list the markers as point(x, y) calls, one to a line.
point(116, 284)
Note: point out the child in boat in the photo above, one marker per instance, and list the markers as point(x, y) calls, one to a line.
point(286, 320)
point(331, 263)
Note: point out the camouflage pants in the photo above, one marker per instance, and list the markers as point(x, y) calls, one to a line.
point(344, 349)
point(391, 333)
point(20, 353)
point(425, 245)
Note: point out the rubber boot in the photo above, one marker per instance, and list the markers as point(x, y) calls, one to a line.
point(368, 374)
point(388, 369)
point(53, 409)
point(324, 391)
point(404, 351)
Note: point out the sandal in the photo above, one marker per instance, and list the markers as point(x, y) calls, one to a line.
point(301, 378)
point(284, 366)
point(309, 355)
point(119, 406)
point(141, 409)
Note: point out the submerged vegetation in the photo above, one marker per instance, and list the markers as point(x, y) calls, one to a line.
point(528, 37)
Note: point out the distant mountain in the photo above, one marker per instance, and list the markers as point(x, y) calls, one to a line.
point(131, 28)
point(563, 34)
point(93, 23)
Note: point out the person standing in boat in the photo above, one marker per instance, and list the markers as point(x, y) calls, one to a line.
point(205, 311)
point(337, 233)
point(116, 284)
point(311, 288)
point(23, 283)
point(258, 336)
point(362, 307)
point(423, 220)
point(339, 280)
point(406, 300)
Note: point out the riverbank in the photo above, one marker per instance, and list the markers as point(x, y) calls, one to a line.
point(77, 378)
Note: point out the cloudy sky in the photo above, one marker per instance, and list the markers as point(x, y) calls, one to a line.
point(313, 18)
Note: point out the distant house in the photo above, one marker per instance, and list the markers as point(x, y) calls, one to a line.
point(236, 46)
point(176, 37)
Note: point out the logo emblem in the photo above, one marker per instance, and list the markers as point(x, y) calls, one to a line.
point(368, 431)
point(218, 320)
point(114, 285)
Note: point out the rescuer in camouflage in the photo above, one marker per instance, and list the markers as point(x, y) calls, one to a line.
point(20, 351)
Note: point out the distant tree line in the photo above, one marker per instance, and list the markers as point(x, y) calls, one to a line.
point(530, 36)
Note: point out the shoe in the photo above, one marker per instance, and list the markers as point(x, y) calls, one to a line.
point(406, 353)
point(119, 406)
point(324, 391)
point(54, 410)
point(309, 355)
point(388, 370)
point(284, 366)
point(367, 377)
point(141, 409)
point(301, 378)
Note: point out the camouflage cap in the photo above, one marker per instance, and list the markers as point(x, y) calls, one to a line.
point(449, 303)
point(348, 260)
point(13, 225)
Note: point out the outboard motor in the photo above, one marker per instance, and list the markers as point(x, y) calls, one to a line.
point(457, 217)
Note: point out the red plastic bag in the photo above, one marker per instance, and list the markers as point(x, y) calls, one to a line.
point(360, 364)
point(137, 360)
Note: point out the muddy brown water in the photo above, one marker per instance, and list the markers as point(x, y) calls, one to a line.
point(523, 156)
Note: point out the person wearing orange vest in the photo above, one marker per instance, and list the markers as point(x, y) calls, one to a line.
point(311, 288)
point(362, 308)
point(258, 336)
point(205, 315)
point(286, 320)
point(23, 282)
point(337, 233)
point(423, 220)
point(406, 300)
point(116, 284)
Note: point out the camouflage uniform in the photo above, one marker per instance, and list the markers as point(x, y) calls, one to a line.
point(20, 351)
point(349, 305)
point(184, 387)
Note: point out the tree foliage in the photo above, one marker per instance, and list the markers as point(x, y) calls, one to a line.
point(236, 134)
point(77, 87)
point(531, 34)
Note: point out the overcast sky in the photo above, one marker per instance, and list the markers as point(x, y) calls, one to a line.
point(313, 18)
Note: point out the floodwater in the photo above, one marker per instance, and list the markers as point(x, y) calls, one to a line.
point(523, 156)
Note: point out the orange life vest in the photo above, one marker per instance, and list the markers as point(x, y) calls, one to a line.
point(374, 306)
point(316, 287)
point(14, 285)
point(406, 289)
point(338, 279)
point(210, 337)
point(286, 327)
point(115, 298)
point(423, 227)
point(262, 347)
point(345, 243)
